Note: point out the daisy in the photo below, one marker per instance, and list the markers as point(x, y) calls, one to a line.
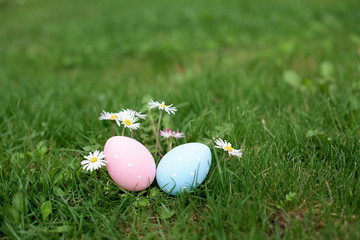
point(128, 118)
point(110, 116)
point(178, 134)
point(94, 161)
point(166, 134)
point(223, 144)
point(168, 108)
point(137, 114)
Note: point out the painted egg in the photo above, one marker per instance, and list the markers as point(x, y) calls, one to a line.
point(184, 167)
point(129, 163)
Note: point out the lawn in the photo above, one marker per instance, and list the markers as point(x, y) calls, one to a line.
point(279, 79)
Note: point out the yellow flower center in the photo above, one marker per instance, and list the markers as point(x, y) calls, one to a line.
point(94, 159)
point(163, 105)
point(113, 117)
point(229, 148)
point(127, 122)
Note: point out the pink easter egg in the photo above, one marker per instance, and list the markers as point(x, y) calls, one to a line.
point(129, 163)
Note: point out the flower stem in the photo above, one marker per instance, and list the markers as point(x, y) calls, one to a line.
point(170, 144)
point(113, 133)
point(132, 134)
point(122, 134)
point(157, 135)
point(152, 123)
point(230, 184)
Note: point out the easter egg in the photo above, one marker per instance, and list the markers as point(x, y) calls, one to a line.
point(129, 163)
point(184, 167)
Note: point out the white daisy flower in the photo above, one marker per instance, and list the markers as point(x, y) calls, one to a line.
point(153, 104)
point(128, 118)
point(168, 108)
point(223, 144)
point(110, 116)
point(94, 161)
point(137, 114)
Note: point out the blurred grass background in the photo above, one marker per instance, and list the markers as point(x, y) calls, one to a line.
point(279, 79)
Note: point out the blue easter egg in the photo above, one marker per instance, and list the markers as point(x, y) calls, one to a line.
point(184, 167)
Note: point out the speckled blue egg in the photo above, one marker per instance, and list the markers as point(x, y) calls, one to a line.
point(184, 167)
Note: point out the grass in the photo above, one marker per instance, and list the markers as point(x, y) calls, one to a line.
point(280, 80)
